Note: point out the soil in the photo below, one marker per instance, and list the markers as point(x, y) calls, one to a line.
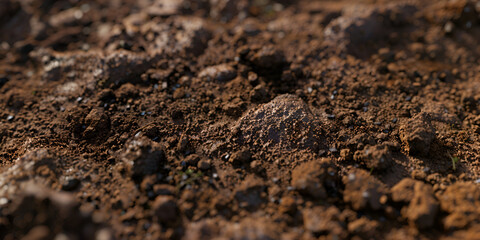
point(239, 119)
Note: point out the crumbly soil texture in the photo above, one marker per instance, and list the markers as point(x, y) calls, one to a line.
point(239, 119)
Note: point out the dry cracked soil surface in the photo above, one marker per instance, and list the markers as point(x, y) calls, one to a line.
point(239, 119)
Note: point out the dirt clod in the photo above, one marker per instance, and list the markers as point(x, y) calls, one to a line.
point(321, 220)
point(362, 190)
point(143, 157)
point(311, 178)
point(219, 73)
point(285, 123)
point(422, 204)
point(417, 135)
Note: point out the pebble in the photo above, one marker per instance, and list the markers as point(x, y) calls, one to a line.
point(351, 177)
point(448, 28)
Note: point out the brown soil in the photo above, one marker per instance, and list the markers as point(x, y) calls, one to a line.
point(239, 119)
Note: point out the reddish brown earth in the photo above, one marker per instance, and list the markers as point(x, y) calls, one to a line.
point(239, 119)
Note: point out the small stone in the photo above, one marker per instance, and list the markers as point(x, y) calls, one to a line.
point(252, 77)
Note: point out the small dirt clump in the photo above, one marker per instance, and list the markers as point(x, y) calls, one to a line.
point(417, 134)
point(283, 124)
